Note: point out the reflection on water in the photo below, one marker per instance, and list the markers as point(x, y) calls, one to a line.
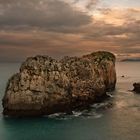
point(121, 121)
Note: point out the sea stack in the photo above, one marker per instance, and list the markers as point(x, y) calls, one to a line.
point(136, 87)
point(44, 85)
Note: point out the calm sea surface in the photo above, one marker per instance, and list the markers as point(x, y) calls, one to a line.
point(121, 122)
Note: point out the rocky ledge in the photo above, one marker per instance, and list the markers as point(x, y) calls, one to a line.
point(45, 85)
point(136, 87)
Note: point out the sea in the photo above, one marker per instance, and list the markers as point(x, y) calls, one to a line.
point(121, 121)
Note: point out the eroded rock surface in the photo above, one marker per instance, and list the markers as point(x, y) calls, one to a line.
point(45, 86)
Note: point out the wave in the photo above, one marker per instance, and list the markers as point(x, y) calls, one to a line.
point(92, 112)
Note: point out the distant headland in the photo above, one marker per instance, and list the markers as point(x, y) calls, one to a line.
point(131, 60)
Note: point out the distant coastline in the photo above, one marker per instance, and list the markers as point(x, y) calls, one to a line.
point(130, 60)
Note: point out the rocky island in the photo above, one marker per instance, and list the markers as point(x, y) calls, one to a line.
point(136, 87)
point(45, 85)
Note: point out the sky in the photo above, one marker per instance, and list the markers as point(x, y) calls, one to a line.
point(68, 27)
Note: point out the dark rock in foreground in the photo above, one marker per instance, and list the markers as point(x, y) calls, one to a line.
point(136, 87)
point(45, 86)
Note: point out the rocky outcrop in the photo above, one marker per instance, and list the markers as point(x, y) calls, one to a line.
point(136, 87)
point(45, 86)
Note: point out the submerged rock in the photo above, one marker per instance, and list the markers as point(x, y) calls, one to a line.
point(136, 87)
point(45, 86)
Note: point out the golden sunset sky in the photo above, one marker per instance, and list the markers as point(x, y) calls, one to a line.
point(68, 27)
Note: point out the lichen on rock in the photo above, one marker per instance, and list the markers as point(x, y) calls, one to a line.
point(45, 85)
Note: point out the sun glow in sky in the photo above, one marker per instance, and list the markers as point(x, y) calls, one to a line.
point(68, 27)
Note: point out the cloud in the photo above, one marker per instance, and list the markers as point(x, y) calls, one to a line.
point(117, 16)
point(123, 36)
point(46, 14)
point(91, 4)
point(19, 45)
point(59, 28)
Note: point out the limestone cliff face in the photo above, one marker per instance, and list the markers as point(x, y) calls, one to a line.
point(45, 85)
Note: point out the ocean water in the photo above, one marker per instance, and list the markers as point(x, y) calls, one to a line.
point(119, 122)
